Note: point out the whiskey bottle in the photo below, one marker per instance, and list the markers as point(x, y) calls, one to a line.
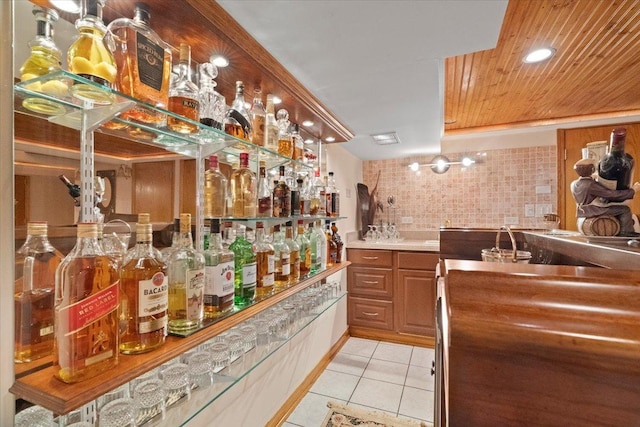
point(86, 308)
point(335, 196)
point(325, 195)
point(265, 202)
point(245, 273)
point(89, 57)
point(265, 263)
point(144, 297)
point(317, 202)
point(294, 258)
point(258, 117)
point(237, 121)
point(305, 199)
point(305, 250)
point(212, 104)
point(186, 282)
point(183, 96)
point(298, 143)
point(143, 60)
point(331, 248)
point(281, 197)
point(615, 169)
point(219, 276)
point(270, 127)
point(34, 289)
point(296, 190)
point(285, 143)
point(338, 242)
point(282, 260)
point(215, 190)
point(243, 189)
point(44, 59)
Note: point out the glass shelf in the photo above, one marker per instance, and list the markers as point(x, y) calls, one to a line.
point(63, 108)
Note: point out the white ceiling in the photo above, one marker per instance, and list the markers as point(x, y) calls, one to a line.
point(376, 64)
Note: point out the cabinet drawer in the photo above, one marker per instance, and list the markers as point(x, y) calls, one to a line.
point(417, 260)
point(372, 257)
point(370, 313)
point(370, 282)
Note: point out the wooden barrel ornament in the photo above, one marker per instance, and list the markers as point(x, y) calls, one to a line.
point(599, 226)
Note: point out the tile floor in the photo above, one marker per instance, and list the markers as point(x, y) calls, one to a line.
point(388, 377)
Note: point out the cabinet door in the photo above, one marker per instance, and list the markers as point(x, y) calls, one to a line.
point(414, 301)
point(370, 282)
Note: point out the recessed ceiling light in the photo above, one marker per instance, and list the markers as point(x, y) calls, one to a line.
point(219, 60)
point(71, 6)
point(309, 141)
point(385, 138)
point(539, 55)
point(329, 139)
point(276, 100)
point(307, 123)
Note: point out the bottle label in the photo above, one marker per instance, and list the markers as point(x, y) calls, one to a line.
point(150, 62)
point(190, 104)
point(219, 280)
point(82, 313)
point(268, 280)
point(271, 263)
point(249, 275)
point(335, 204)
point(153, 297)
point(286, 266)
point(194, 294)
point(307, 257)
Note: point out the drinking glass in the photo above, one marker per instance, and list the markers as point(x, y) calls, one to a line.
point(200, 369)
point(249, 336)
point(236, 346)
point(116, 393)
point(117, 413)
point(220, 356)
point(175, 381)
point(262, 333)
point(34, 416)
point(149, 399)
point(149, 375)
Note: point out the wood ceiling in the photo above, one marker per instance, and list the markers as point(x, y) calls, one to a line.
point(595, 72)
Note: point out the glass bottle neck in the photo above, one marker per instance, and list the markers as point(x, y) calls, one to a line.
point(186, 240)
point(215, 241)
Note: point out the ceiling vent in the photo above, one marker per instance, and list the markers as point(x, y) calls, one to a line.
point(386, 138)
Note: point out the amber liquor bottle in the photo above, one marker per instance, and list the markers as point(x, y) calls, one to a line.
point(294, 258)
point(281, 197)
point(616, 167)
point(265, 202)
point(265, 263)
point(215, 190)
point(183, 96)
point(219, 275)
point(282, 260)
point(87, 298)
point(243, 189)
point(305, 250)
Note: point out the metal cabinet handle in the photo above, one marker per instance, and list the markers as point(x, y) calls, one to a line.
point(370, 257)
point(370, 314)
point(433, 367)
point(370, 282)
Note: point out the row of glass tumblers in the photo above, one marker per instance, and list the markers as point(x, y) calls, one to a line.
point(211, 367)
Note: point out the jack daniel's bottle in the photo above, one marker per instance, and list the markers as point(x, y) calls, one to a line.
point(616, 167)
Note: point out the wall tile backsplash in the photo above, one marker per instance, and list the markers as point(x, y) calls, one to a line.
point(493, 192)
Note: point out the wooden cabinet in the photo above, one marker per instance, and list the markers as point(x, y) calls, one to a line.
point(392, 295)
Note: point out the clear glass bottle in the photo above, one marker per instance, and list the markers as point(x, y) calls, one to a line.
point(305, 250)
point(282, 256)
point(143, 60)
point(338, 243)
point(258, 118)
point(215, 190)
point(265, 202)
point(166, 252)
point(245, 272)
point(317, 203)
point(186, 282)
point(237, 121)
point(305, 199)
point(335, 196)
point(44, 59)
point(298, 143)
point(33, 295)
point(615, 169)
point(86, 308)
point(321, 243)
point(228, 234)
point(89, 57)
point(285, 143)
point(212, 104)
point(316, 244)
point(183, 96)
point(265, 263)
point(325, 195)
point(219, 274)
point(270, 126)
point(281, 197)
point(243, 189)
point(144, 296)
point(294, 258)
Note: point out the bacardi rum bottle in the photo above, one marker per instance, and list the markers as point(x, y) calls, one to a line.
point(86, 307)
point(183, 96)
point(219, 275)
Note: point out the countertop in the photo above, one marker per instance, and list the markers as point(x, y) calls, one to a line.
point(403, 245)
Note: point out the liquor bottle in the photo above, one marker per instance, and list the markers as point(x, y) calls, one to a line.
point(298, 143)
point(144, 218)
point(265, 263)
point(295, 198)
point(183, 96)
point(86, 308)
point(615, 169)
point(325, 194)
point(228, 234)
point(186, 282)
point(305, 250)
point(219, 272)
point(282, 260)
point(237, 121)
point(305, 200)
point(166, 252)
point(44, 59)
point(143, 60)
point(294, 258)
point(33, 294)
point(281, 197)
point(270, 127)
point(317, 244)
point(245, 273)
point(332, 249)
point(321, 257)
point(338, 241)
point(243, 189)
point(317, 205)
point(265, 202)
point(258, 117)
point(285, 143)
point(89, 57)
point(215, 190)
point(144, 296)
point(335, 196)
point(212, 104)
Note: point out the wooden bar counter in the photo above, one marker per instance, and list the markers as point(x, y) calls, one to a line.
point(537, 345)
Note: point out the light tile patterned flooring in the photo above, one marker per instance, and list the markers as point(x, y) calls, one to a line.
point(387, 377)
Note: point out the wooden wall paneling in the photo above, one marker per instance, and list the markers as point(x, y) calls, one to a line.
point(570, 144)
point(21, 209)
point(153, 189)
point(187, 195)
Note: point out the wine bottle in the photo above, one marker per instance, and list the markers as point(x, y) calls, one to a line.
point(616, 167)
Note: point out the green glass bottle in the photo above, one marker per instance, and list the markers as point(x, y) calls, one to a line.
point(245, 269)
